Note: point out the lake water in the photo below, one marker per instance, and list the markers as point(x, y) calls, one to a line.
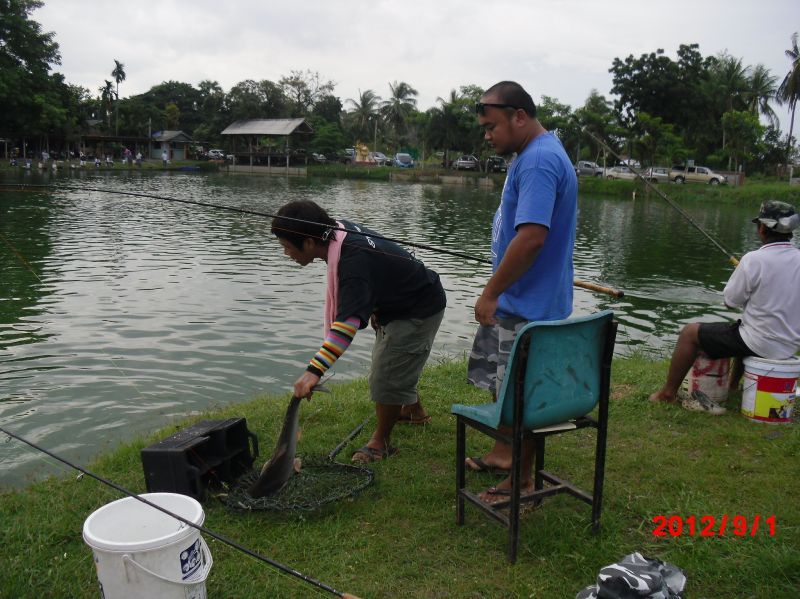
point(119, 313)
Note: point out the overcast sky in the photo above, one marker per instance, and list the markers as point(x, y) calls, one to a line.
point(559, 48)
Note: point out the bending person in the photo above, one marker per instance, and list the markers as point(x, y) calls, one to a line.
point(368, 279)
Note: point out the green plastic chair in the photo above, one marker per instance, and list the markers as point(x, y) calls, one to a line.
point(558, 372)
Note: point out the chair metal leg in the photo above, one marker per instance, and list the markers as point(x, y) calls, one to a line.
point(599, 473)
point(538, 464)
point(513, 508)
point(460, 468)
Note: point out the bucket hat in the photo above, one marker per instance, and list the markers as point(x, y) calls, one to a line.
point(778, 216)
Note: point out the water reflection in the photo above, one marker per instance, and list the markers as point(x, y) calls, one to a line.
point(148, 309)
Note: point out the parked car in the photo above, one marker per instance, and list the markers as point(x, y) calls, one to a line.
point(316, 157)
point(216, 154)
point(696, 174)
point(380, 158)
point(403, 160)
point(346, 156)
point(496, 164)
point(467, 162)
point(586, 168)
point(620, 172)
point(657, 174)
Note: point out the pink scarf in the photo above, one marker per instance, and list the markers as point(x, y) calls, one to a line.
point(332, 290)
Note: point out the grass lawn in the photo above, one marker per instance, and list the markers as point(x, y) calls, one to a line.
point(399, 538)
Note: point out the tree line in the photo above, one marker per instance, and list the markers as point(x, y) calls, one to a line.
point(712, 109)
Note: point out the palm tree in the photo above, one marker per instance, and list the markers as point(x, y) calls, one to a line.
point(789, 90)
point(106, 95)
point(731, 78)
point(400, 105)
point(761, 90)
point(119, 75)
point(447, 116)
point(365, 112)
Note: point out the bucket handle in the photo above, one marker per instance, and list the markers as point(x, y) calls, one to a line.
point(209, 561)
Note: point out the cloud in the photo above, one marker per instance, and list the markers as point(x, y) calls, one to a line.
point(562, 48)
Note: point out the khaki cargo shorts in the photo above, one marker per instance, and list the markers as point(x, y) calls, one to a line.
point(401, 350)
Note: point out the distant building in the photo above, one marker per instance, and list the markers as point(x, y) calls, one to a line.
point(245, 136)
point(176, 143)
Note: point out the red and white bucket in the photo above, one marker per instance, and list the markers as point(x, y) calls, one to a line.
point(769, 391)
point(709, 376)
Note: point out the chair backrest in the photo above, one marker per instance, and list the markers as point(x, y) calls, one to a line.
point(562, 363)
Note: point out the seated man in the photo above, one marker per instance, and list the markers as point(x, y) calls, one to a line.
point(766, 286)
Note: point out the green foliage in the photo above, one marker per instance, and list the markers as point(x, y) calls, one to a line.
point(453, 125)
point(395, 111)
point(362, 121)
point(29, 95)
point(789, 89)
point(328, 137)
point(742, 132)
point(172, 116)
point(302, 90)
point(656, 143)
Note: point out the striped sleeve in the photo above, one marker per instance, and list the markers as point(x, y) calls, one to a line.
point(338, 340)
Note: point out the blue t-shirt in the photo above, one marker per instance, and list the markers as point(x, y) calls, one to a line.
point(540, 188)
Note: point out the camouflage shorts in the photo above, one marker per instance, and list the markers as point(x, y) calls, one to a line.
point(490, 350)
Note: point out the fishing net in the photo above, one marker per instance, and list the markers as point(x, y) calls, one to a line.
point(319, 482)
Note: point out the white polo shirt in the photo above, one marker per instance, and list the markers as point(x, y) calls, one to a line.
point(766, 285)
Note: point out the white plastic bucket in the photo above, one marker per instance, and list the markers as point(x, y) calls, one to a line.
point(770, 389)
point(709, 376)
point(141, 552)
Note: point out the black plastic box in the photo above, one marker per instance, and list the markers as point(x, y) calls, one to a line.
point(200, 457)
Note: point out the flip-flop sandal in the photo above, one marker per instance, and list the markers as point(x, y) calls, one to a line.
point(409, 419)
point(501, 494)
point(484, 467)
point(370, 454)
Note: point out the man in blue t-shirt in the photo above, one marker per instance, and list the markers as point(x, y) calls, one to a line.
point(533, 236)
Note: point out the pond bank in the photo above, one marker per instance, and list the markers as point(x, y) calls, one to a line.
point(753, 191)
point(399, 538)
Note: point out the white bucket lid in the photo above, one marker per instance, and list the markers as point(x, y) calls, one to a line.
point(129, 525)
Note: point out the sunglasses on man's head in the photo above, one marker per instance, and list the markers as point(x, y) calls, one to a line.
point(480, 107)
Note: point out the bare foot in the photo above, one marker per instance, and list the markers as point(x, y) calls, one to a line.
point(414, 412)
point(662, 396)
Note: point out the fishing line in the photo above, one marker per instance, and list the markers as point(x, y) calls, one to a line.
point(733, 260)
point(576, 283)
point(254, 213)
point(202, 529)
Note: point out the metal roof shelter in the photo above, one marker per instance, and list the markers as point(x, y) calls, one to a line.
point(268, 127)
point(254, 128)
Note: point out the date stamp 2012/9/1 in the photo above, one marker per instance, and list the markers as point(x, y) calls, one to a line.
point(713, 526)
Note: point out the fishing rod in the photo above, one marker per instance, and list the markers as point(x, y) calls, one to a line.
point(731, 258)
point(577, 283)
point(202, 529)
point(353, 434)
